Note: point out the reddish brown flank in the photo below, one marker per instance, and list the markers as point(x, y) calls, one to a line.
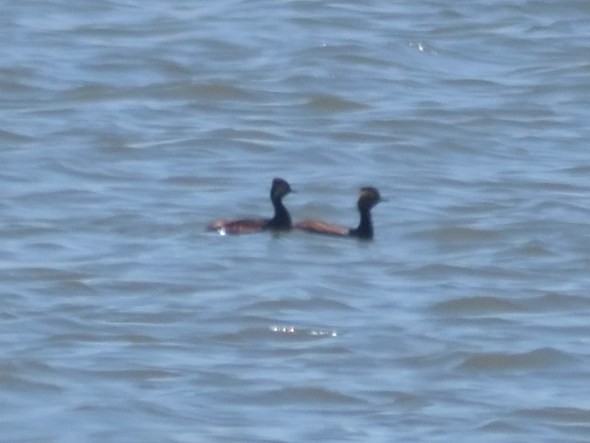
point(281, 220)
point(368, 198)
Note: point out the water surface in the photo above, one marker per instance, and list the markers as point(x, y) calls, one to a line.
point(127, 126)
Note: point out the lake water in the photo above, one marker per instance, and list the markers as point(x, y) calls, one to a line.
point(127, 126)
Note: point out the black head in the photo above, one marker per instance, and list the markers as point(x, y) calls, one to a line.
point(279, 189)
point(368, 198)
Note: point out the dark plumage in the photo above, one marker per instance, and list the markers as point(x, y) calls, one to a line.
point(281, 220)
point(368, 198)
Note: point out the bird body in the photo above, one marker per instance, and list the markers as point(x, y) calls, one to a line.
point(281, 221)
point(368, 198)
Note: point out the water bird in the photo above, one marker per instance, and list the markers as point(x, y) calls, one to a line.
point(281, 221)
point(367, 200)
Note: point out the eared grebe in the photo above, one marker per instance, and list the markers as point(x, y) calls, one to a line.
point(280, 222)
point(368, 198)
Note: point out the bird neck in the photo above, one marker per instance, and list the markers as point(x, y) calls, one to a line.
point(281, 219)
point(365, 227)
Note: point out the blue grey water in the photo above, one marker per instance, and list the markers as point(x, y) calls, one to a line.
point(126, 126)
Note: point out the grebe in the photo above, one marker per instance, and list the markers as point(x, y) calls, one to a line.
point(368, 198)
point(280, 222)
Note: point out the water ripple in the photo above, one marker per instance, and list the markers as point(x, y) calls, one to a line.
point(541, 359)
